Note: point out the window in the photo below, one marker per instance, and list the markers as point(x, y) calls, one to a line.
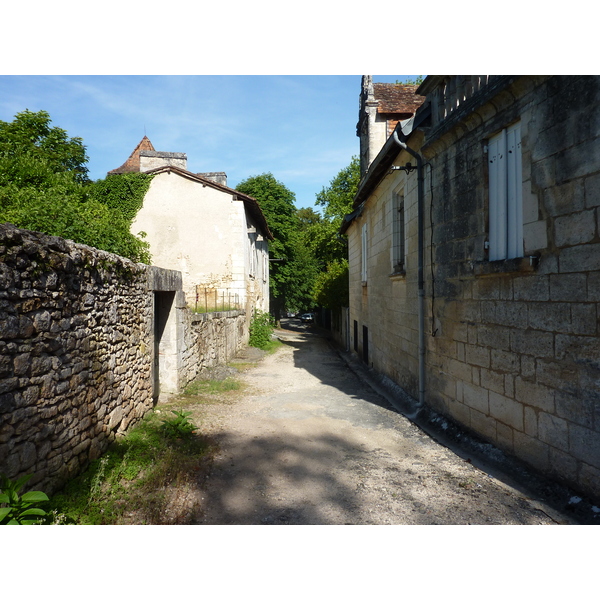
point(398, 237)
point(252, 249)
point(363, 268)
point(506, 194)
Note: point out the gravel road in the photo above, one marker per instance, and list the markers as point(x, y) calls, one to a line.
point(309, 442)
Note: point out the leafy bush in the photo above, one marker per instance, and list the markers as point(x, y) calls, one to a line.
point(261, 329)
point(178, 426)
point(20, 510)
point(44, 187)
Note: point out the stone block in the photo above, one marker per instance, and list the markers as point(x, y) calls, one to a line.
point(584, 444)
point(579, 349)
point(532, 451)
point(543, 174)
point(578, 161)
point(477, 355)
point(534, 394)
point(592, 191)
point(573, 408)
point(565, 198)
point(492, 380)
point(534, 343)
point(577, 259)
point(507, 362)
point(532, 288)
point(493, 336)
point(559, 375)
point(505, 437)
point(570, 287)
point(584, 319)
point(550, 316)
point(484, 425)
point(506, 410)
point(535, 236)
point(553, 431)
point(563, 465)
point(576, 228)
point(476, 397)
point(530, 421)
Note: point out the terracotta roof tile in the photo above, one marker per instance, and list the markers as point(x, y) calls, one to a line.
point(132, 164)
point(397, 98)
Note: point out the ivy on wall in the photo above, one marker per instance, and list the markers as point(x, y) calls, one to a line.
point(124, 193)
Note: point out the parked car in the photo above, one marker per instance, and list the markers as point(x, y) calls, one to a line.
point(307, 318)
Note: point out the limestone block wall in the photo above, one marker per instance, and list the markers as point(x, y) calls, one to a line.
point(516, 357)
point(75, 353)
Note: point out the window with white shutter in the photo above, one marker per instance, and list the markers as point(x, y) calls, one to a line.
point(506, 196)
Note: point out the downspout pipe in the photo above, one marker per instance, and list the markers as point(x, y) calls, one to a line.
point(421, 278)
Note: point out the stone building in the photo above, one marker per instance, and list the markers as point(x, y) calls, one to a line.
point(474, 251)
point(382, 106)
point(217, 237)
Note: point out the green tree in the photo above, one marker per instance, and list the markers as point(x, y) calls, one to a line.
point(329, 247)
point(291, 270)
point(30, 133)
point(44, 187)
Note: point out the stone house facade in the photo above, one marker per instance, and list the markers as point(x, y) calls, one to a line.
point(474, 251)
point(217, 237)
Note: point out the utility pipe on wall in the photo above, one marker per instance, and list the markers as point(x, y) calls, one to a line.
point(420, 254)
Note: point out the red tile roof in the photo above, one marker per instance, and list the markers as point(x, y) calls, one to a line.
point(132, 164)
point(397, 98)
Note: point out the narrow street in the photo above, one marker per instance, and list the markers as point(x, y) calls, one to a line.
point(310, 443)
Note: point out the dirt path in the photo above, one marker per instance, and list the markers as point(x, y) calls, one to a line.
point(310, 443)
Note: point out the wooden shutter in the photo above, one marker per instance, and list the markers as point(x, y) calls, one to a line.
point(497, 199)
point(514, 192)
point(506, 194)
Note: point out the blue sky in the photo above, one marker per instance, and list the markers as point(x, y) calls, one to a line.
point(300, 128)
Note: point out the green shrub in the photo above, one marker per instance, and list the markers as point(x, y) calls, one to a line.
point(261, 329)
point(20, 510)
point(178, 426)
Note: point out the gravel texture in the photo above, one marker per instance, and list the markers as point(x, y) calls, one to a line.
point(309, 442)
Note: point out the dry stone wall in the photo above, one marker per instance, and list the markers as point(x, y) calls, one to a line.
point(210, 339)
point(89, 342)
point(75, 353)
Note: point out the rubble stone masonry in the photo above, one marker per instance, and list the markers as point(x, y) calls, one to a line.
point(77, 350)
point(75, 353)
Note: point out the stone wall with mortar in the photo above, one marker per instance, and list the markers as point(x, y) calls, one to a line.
point(516, 353)
point(75, 353)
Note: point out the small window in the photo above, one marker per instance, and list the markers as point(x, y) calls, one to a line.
point(506, 194)
point(363, 269)
point(252, 250)
point(398, 234)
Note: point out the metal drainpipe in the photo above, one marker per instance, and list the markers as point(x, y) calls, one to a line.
point(421, 279)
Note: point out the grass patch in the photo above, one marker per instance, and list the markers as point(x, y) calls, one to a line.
point(132, 482)
point(210, 386)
